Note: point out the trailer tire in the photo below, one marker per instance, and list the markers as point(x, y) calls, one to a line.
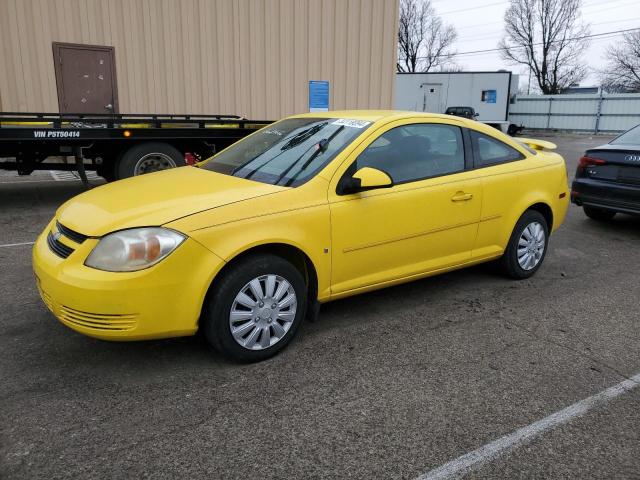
point(107, 170)
point(513, 130)
point(148, 157)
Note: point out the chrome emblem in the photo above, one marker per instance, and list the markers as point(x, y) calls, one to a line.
point(632, 158)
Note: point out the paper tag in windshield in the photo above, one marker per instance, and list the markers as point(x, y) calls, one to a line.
point(345, 122)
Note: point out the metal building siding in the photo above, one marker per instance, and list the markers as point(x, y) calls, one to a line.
point(246, 57)
point(579, 112)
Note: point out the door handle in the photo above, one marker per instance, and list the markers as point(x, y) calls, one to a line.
point(109, 107)
point(462, 197)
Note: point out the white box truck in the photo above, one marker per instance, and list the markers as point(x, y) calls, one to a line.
point(489, 94)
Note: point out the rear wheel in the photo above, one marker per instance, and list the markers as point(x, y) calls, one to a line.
point(147, 158)
point(255, 309)
point(599, 214)
point(527, 246)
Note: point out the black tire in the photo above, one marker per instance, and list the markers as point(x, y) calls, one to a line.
point(107, 170)
point(509, 261)
point(217, 308)
point(512, 130)
point(599, 214)
point(129, 159)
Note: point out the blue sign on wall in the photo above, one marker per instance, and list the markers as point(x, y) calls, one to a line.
point(318, 96)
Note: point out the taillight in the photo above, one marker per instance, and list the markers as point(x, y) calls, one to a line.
point(586, 161)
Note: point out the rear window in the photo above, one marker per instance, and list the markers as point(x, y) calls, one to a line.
point(630, 137)
point(526, 147)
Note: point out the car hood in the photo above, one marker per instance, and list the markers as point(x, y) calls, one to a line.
point(156, 199)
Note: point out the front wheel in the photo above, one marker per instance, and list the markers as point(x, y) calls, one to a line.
point(255, 309)
point(598, 214)
point(527, 246)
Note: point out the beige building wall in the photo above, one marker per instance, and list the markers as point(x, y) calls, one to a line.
point(247, 57)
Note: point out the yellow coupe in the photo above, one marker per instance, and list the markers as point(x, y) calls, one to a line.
point(309, 209)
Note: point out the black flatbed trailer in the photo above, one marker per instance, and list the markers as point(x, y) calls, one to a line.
point(116, 146)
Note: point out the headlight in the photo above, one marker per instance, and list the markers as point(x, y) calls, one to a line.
point(135, 249)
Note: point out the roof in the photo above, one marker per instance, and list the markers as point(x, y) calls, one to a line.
point(374, 115)
point(387, 116)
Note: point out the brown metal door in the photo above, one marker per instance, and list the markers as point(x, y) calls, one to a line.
point(86, 78)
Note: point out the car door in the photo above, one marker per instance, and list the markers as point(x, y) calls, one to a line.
point(503, 175)
point(425, 222)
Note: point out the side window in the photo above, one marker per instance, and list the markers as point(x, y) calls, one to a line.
point(414, 152)
point(490, 151)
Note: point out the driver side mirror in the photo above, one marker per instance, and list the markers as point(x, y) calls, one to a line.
point(367, 178)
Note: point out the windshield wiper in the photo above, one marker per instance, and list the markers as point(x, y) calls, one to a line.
point(323, 145)
point(253, 172)
point(303, 135)
point(297, 139)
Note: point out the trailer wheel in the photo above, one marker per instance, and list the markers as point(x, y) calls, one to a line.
point(148, 157)
point(107, 170)
point(512, 130)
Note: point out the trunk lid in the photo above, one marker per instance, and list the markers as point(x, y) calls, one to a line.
point(619, 164)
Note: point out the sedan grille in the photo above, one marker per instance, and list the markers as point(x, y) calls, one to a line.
point(46, 298)
point(71, 234)
point(58, 247)
point(98, 321)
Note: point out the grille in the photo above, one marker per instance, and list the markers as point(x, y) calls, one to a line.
point(46, 298)
point(71, 234)
point(58, 247)
point(98, 321)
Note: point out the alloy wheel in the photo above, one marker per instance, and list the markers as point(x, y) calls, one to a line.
point(262, 312)
point(531, 245)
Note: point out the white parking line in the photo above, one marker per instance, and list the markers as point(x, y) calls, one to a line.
point(62, 176)
point(16, 244)
point(473, 460)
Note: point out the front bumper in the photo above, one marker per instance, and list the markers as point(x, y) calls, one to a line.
point(606, 195)
point(164, 300)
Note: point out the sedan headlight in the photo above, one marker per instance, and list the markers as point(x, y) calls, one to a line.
point(134, 249)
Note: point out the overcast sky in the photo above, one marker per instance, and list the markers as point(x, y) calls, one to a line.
point(479, 24)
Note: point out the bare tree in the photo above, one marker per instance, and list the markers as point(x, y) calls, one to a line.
point(622, 73)
point(547, 36)
point(424, 41)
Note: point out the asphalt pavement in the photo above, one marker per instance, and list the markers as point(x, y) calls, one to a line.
point(391, 384)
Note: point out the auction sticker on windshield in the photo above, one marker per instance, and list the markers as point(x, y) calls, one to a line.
point(351, 123)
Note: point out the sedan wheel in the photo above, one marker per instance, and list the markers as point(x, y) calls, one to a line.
point(255, 308)
point(263, 312)
point(527, 246)
point(531, 246)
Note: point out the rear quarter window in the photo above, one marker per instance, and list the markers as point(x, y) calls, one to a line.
point(491, 151)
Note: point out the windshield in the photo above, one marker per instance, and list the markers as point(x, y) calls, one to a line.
point(288, 152)
point(630, 137)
